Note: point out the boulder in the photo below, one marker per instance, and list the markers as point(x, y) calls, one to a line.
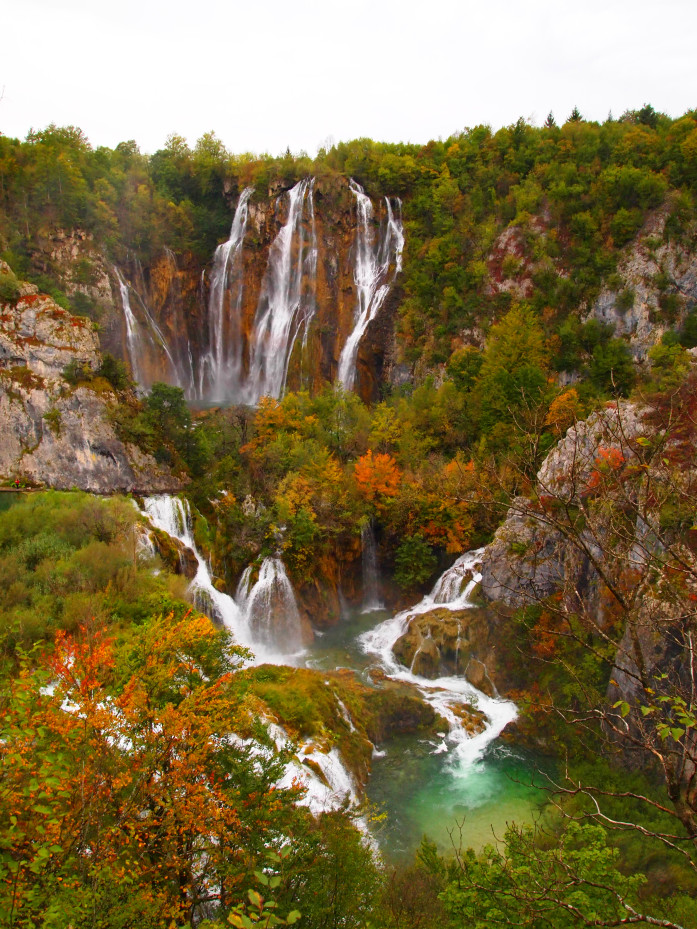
point(454, 642)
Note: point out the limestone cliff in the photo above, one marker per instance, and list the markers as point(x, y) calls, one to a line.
point(52, 434)
point(654, 289)
point(531, 556)
point(604, 547)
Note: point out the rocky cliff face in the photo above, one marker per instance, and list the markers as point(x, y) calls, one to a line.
point(655, 290)
point(532, 555)
point(54, 435)
point(605, 548)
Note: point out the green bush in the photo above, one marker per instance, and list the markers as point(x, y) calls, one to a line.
point(9, 288)
point(415, 562)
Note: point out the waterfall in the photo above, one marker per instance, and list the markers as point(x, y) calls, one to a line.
point(133, 338)
point(180, 353)
point(372, 274)
point(221, 366)
point(452, 591)
point(264, 618)
point(269, 607)
point(287, 300)
point(173, 516)
point(146, 339)
point(371, 596)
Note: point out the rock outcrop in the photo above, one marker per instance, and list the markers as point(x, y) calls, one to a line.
point(531, 556)
point(55, 435)
point(658, 289)
point(453, 642)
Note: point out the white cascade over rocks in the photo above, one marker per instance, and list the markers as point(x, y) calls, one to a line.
point(287, 300)
point(220, 370)
point(371, 572)
point(452, 591)
point(245, 620)
point(145, 339)
point(269, 607)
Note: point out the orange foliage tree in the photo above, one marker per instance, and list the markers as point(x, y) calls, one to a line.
point(123, 791)
point(377, 477)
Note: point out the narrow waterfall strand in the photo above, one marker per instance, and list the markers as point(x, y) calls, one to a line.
point(372, 274)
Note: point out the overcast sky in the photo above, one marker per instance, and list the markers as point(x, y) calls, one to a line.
point(269, 74)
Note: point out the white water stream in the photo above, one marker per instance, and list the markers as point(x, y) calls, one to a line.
point(264, 617)
point(221, 366)
point(371, 574)
point(288, 297)
point(272, 590)
point(377, 265)
point(452, 591)
point(146, 339)
point(132, 335)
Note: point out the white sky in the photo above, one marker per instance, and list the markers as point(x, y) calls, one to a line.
point(274, 73)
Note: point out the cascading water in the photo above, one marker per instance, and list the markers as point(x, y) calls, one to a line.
point(287, 300)
point(374, 261)
point(173, 516)
point(133, 336)
point(146, 340)
point(446, 694)
point(269, 608)
point(221, 367)
point(264, 618)
point(371, 596)
point(179, 349)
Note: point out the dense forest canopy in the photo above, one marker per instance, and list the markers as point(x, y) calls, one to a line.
point(577, 194)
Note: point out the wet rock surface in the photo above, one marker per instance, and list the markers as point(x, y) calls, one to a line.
point(453, 642)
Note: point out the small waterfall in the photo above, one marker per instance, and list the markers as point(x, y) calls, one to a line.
point(454, 587)
point(133, 337)
point(221, 366)
point(173, 516)
point(445, 694)
point(372, 274)
point(371, 596)
point(180, 351)
point(287, 300)
point(145, 340)
point(269, 608)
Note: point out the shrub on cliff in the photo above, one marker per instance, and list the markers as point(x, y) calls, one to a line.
point(9, 287)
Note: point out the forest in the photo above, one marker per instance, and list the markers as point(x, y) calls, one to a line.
point(140, 780)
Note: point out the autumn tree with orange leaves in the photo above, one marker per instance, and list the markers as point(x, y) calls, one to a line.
point(377, 477)
point(123, 792)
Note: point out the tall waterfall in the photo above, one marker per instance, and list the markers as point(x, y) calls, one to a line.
point(269, 607)
point(371, 595)
point(221, 366)
point(180, 349)
point(145, 341)
point(236, 358)
point(133, 336)
point(288, 297)
point(377, 265)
